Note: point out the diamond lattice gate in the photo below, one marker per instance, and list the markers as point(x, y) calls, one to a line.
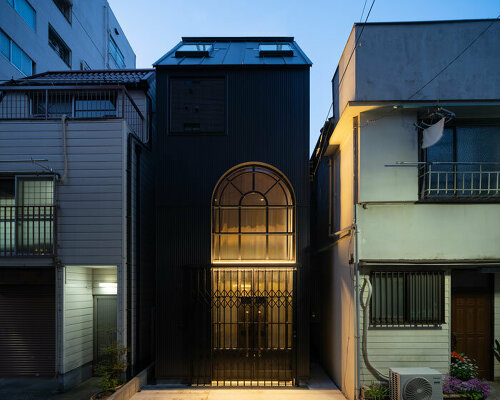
point(242, 324)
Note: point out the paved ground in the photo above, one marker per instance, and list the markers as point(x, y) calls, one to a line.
point(495, 391)
point(320, 387)
point(42, 389)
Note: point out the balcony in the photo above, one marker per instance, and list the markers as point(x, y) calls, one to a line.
point(27, 231)
point(89, 103)
point(460, 181)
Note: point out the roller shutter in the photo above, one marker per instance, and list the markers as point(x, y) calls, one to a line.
point(27, 321)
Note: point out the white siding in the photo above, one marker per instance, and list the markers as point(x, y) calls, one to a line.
point(407, 347)
point(78, 317)
point(90, 200)
point(496, 321)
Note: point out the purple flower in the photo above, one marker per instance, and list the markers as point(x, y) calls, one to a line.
point(473, 386)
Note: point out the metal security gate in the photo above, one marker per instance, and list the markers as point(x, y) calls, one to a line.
point(243, 327)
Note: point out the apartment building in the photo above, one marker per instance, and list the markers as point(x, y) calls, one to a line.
point(76, 215)
point(405, 220)
point(41, 35)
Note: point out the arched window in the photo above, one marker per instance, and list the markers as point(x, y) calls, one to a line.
point(253, 217)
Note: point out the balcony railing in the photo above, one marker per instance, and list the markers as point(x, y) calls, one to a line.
point(27, 231)
point(460, 181)
point(96, 102)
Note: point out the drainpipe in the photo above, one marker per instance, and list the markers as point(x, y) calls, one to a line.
point(356, 257)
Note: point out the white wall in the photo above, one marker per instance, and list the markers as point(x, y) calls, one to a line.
point(407, 347)
point(337, 288)
point(86, 36)
point(385, 139)
point(78, 317)
point(429, 231)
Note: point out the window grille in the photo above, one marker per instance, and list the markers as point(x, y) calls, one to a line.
point(407, 298)
point(253, 217)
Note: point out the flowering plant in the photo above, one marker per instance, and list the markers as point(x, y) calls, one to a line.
point(474, 389)
point(462, 367)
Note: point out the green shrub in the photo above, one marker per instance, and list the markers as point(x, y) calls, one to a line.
point(376, 391)
point(112, 366)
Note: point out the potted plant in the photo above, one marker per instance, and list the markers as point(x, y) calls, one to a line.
point(462, 382)
point(111, 368)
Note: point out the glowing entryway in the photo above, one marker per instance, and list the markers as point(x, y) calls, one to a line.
point(252, 326)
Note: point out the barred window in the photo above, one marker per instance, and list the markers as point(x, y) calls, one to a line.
point(407, 298)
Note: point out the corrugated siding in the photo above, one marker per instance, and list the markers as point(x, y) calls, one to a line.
point(90, 199)
point(142, 252)
point(496, 321)
point(78, 318)
point(409, 347)
point(267, 121)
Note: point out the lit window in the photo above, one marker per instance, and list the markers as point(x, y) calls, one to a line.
point(25, 10)
point(65, 7)
point(59, 46)
point(16, 55)
point(253, 217)
point(194, 50)
point(116, 54)
point(407, 298)
point(275, 50)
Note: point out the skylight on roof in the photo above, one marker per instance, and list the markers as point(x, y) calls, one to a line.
point(275, 50)
point(194, 50)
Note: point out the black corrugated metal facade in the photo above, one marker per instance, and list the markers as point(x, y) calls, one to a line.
point(267, 121)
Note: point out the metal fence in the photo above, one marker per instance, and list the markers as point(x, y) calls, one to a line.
point(27, 231)
point(242, 320)
point(99, 102)
point(448, 181)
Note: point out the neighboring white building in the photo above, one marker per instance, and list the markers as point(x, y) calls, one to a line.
point(42, 35)
point(76, 222)
point(424, 235)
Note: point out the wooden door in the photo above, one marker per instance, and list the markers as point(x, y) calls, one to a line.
point(471, 327)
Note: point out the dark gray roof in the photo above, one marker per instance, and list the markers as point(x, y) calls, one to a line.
point(120, 76)
point(235, 51)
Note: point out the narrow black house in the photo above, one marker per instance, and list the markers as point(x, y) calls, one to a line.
point(232, 196)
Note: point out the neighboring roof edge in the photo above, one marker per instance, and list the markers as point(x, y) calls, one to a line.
point(45, 77)
point(438, 21)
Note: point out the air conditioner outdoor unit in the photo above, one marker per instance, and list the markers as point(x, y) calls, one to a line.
point(415, 384)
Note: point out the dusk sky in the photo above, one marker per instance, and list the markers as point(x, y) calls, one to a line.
point(321, 28)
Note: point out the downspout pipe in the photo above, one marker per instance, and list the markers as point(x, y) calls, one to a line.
point(364, 304)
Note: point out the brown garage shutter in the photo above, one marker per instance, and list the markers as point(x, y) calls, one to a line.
point(27, 324)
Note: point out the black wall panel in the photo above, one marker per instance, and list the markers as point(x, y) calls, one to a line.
point(267, 112)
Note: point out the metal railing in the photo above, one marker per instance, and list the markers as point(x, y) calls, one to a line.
point(89, 102)
point(459, 180)
point(27, 231)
